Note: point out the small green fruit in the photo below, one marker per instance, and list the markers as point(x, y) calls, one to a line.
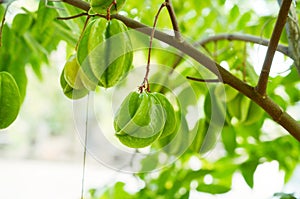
point(10, 99)
point(71, 92)
point(71, 73)
point(140, 120)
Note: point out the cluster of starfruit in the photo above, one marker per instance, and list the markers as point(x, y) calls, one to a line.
point(104, 57)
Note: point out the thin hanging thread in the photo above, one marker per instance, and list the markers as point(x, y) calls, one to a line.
point(85, 144)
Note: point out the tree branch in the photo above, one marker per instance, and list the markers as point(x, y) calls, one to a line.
point(278, 115)
point(264, 75)
point(246, 38)
point(79, 4)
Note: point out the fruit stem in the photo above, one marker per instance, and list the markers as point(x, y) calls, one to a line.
point(145, 85)
point(113, 3)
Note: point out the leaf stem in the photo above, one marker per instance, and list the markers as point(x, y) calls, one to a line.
point(264, 75)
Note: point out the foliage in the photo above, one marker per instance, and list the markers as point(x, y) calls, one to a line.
point(245, 139)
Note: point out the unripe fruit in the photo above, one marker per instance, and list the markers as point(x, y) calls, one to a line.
point(71, 73)
point(105, 52)
point(10, 99)
point(71, 92)
point(143, 118)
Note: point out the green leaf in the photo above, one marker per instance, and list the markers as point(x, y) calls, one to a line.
point(234, 13)
point(45, 16)
point(213, 188)
point(229, 139)
point(214, 108)
point(285, 195)
point(248, 168)
point(21, 23)
point(10, 100)
point(243, 21)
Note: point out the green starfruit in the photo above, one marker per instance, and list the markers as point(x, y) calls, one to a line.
point(144, 118)
point(140, 120)
point(105, 52)
point(10, 99)
point(72, 73)
point(171, 121)
point(71, 92)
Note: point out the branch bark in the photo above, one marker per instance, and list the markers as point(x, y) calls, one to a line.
point(278, 115)
point(245, 38)
point(281, 19)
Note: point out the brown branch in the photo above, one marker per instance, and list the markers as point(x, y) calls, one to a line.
point(79, 4)
point(278, 115)
point(173, 20)
point(264, 75)
point(72, 17)
point(246, 38)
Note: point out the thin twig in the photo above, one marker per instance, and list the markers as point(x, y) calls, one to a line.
point(243, 37)
point(3, 21)
point(264, 75)
point(173, 19)
point(145, 84)
point(203, 80)
point(73, 17)
point(85, 146)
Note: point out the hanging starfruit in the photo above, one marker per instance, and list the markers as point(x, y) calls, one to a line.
point(69, 91)
point(143, 118)
point(105, 52)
